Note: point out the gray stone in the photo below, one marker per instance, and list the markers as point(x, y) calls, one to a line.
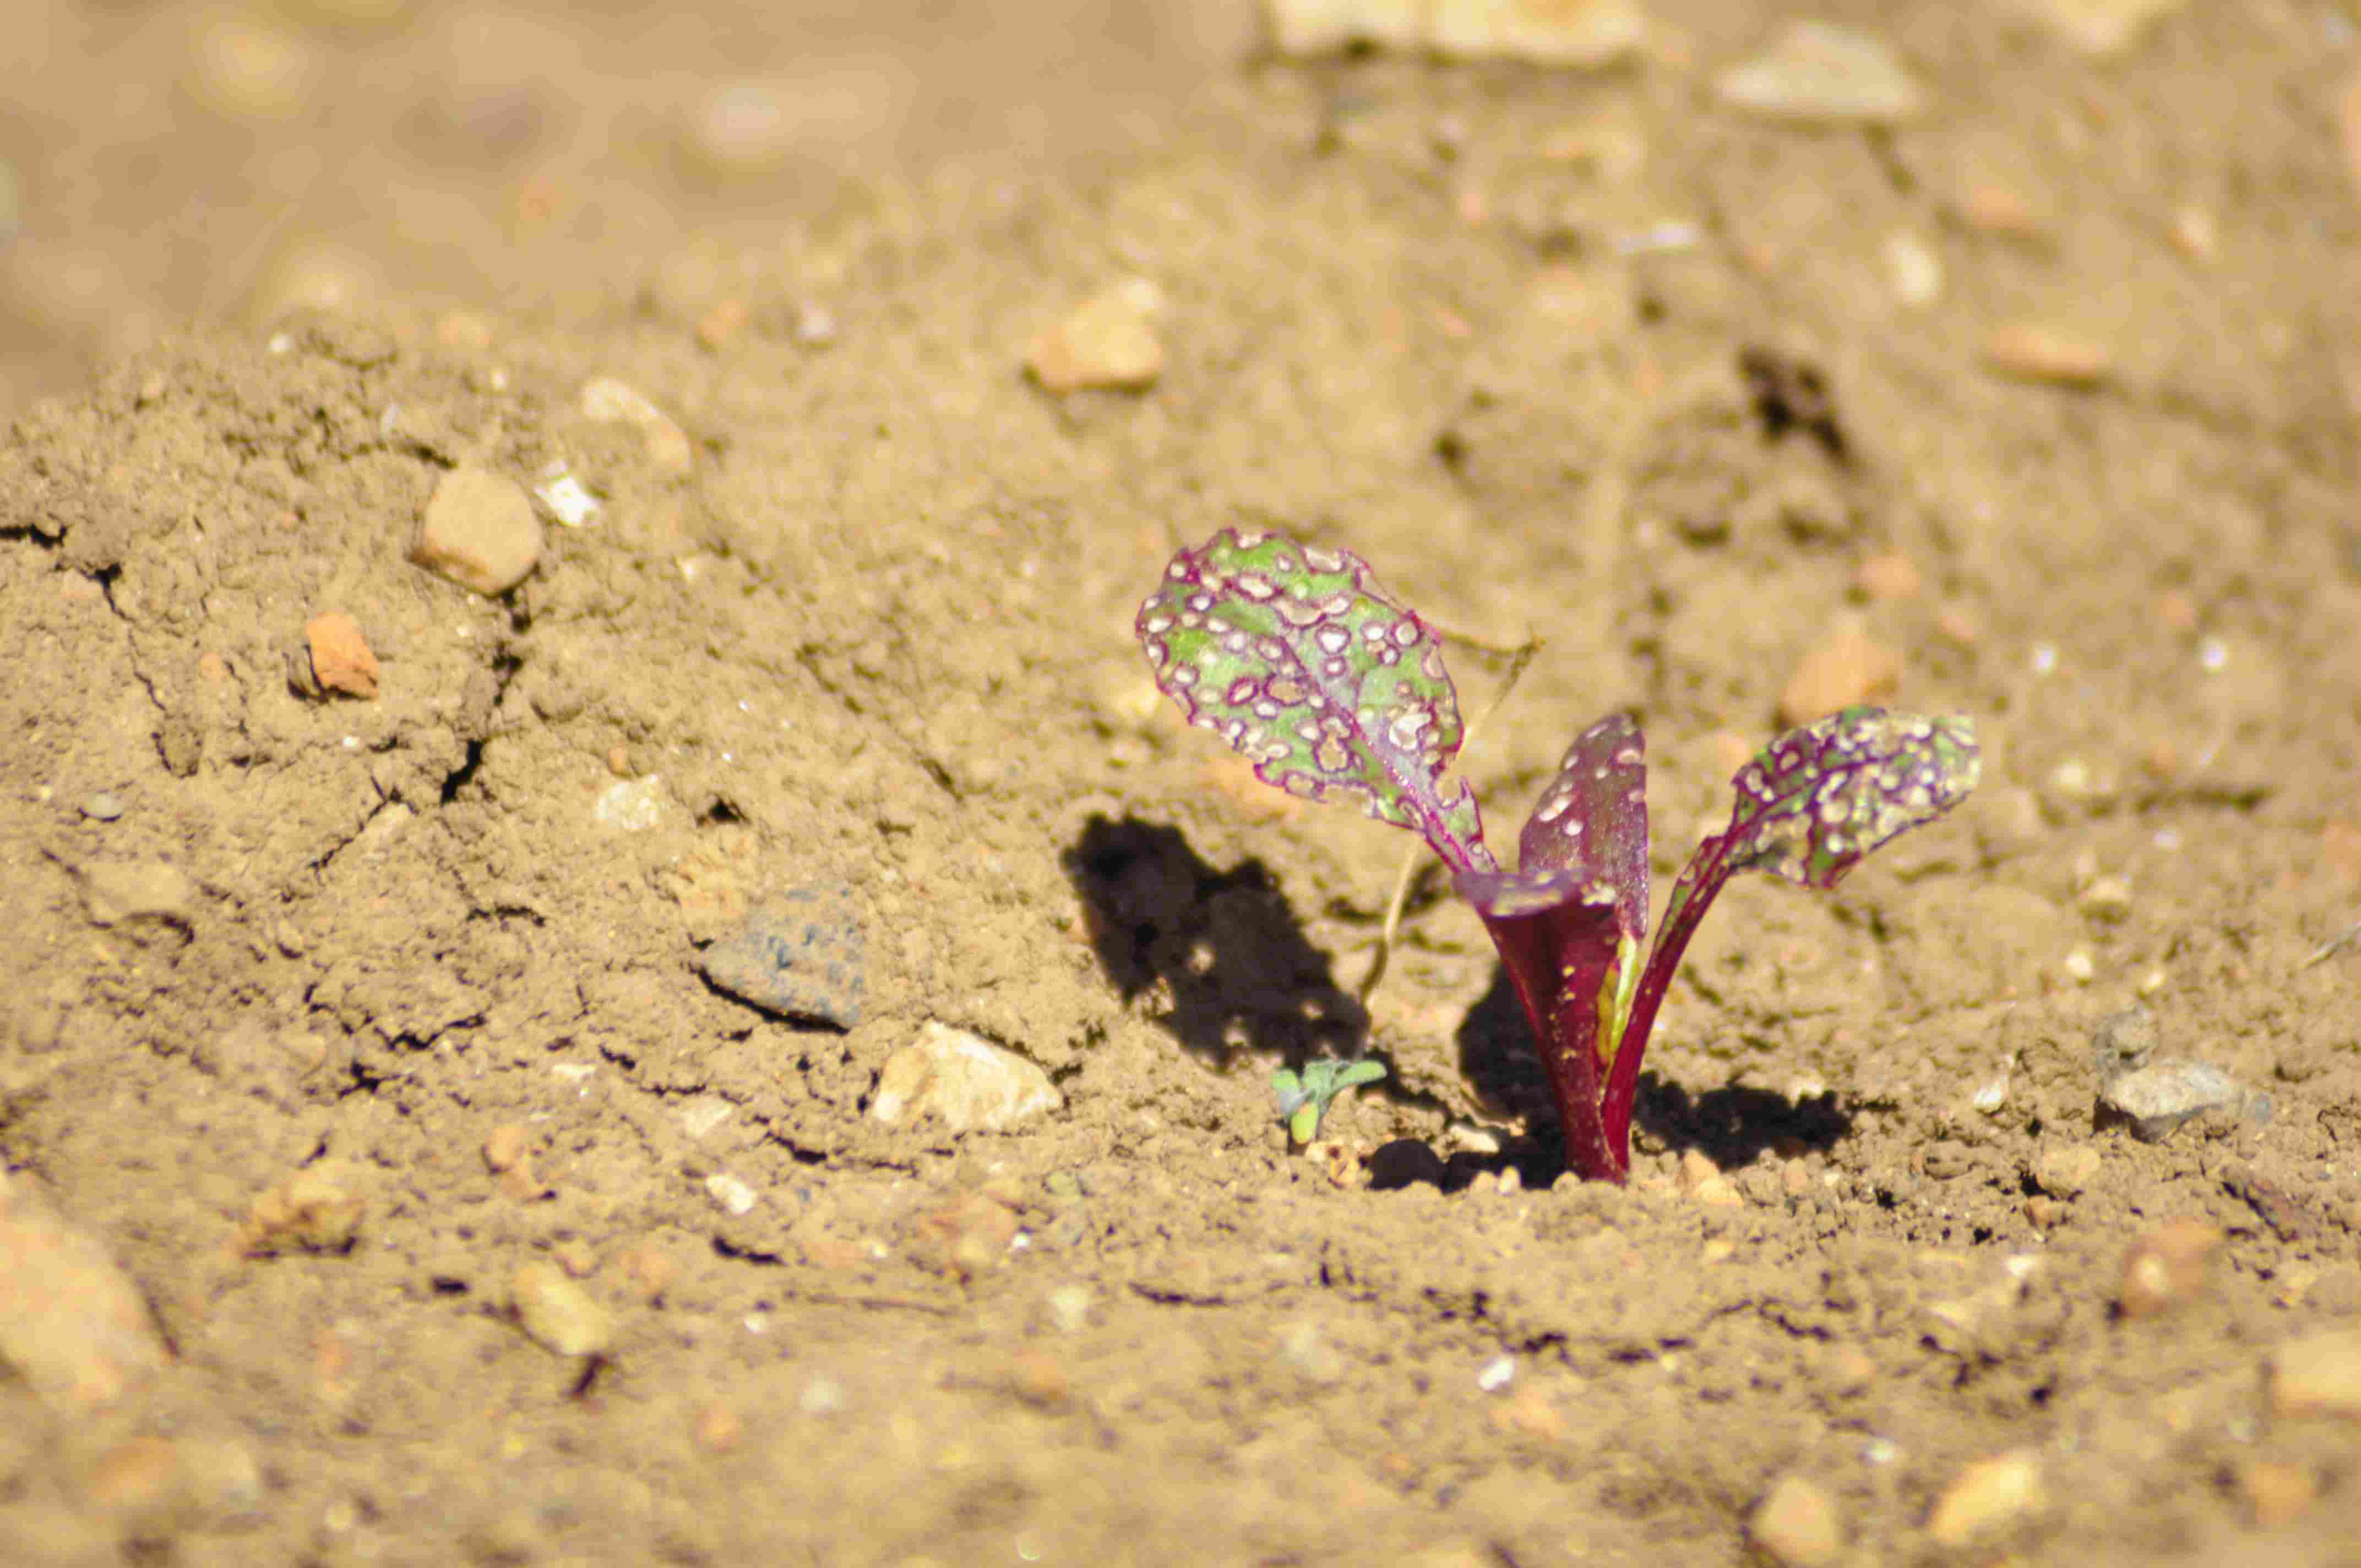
point(2154, 1101)
point(798, 956)
point(2123, 1041)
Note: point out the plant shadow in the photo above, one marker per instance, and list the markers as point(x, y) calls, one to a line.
point(1217, 956)
point(1732, 1125)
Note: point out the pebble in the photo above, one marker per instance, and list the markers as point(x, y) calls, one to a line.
point(103, 805)
point(2030, 352)
point(1818, 72)
point(317, 1208)
point(480, 530)
point(2277, 1493)
point(2062, 1172)
point(341, 658)
point(567, 500)
point(965, 1237)
point(1306, 1352)
point(648, 1271)
point(965, 1081)
point(2319, 1376)
point(116, 891)
point(1989, 1495)
point(800, 954)
point(2123, 1040)
point(606, 400)
point(2154, 1101)
point(631, 805)
point(558, 1314)
point(2107, 899)
point(507, 1147)
point(1577, 33)
point(734, 1196)
point(1796, 1524)
point(1108, 341)
point(2097, 27)
point(1705, 1183)
point(1847, 668)
point(74, 1329)
point(1912, 269)
point(2165, 1266)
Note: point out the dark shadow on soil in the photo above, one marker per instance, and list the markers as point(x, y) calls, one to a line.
point(1216, 957)
point(1733, 1126)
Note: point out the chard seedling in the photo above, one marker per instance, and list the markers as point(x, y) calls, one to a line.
point(1303, 1100)
point(1336, 691)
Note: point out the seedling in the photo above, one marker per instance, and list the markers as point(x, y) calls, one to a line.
point(1335, 690)
point(1303, 1100)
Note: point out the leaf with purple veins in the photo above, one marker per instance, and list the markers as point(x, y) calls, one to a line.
point(1332, 688)
point(1818, 798)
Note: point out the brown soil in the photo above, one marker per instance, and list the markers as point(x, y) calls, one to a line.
point(869, 625)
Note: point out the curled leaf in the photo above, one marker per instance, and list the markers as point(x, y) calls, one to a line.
point(1819, 798)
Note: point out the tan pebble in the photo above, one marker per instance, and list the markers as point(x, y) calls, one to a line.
point(142, 1475)
point(1037, 1378)
point(2045, 1212)
point(480, 530)
point(2098, 27)
point(1795, 1177)
point(1705, 1183)
point(2197, 234)
point(649, 1271)
point(2165, 1266)
point(2277, 1493)
point(720, 327)
point(1846, 669)
point(578, 1258)
point(2319, 1376)
point(1996, 209)
point(557, 1313)
point(318, 1209)
point(1890, 576)
point(2176, 612)
point(2108, 899)
point(1529, 1413)
point(964, 1081)
point(1956, 627)
point(1989, 1495)
point(213, 669)
point(618, 761)
point(1108, 341)
point(1796, 1524)
point(606, 401)
point(718, 1429)
point(1697, 1169)
point(2034, 353)
point(1850, 1368)
point(507, 1146)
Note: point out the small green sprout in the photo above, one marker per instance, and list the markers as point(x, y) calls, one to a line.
point(1303, 1100)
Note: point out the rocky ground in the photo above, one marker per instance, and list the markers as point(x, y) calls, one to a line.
point(613, 957)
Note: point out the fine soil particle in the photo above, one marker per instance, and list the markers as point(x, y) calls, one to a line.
point(393, 1169)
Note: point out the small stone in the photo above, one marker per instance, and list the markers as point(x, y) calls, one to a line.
point(576, 1257)
point(2065, 1171)
point(1705, 1183)
point(2034, 353)
point(1989, 1496)
point(723, 324)
point(800, 954)
point(317, 1208)
point(1888, 578)
point(2166, 1267)
point(1913, 270)
point(2319, 1376)
point(2154, 1101)
point(1565, 33)
point(1108, 341)
point(103, 806)
point(966, 1237)
point(1037, 1378)
point(631, 805)
point(2276, 1495)
point(606, 400)
point(718, 1429)
point(74, 1329)
point(341, 658)
point(1818, 72)
point(2097, 27)
point(116, 891)
point(734, 1196)
point(966, 1082)
point(1846, 669)
point(1796, 1524)
point(2107, 899)
point(140, 1481)
point(507, 1147)
point(1306, 1352)
point(2080, 965)
point(1989, 207)
point(2123, 1041)
point(478, 531)
point(649, 1271)
point(558, 1314)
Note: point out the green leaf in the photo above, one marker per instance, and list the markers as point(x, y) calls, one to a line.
point(1818, 798)
point(1333, 688)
